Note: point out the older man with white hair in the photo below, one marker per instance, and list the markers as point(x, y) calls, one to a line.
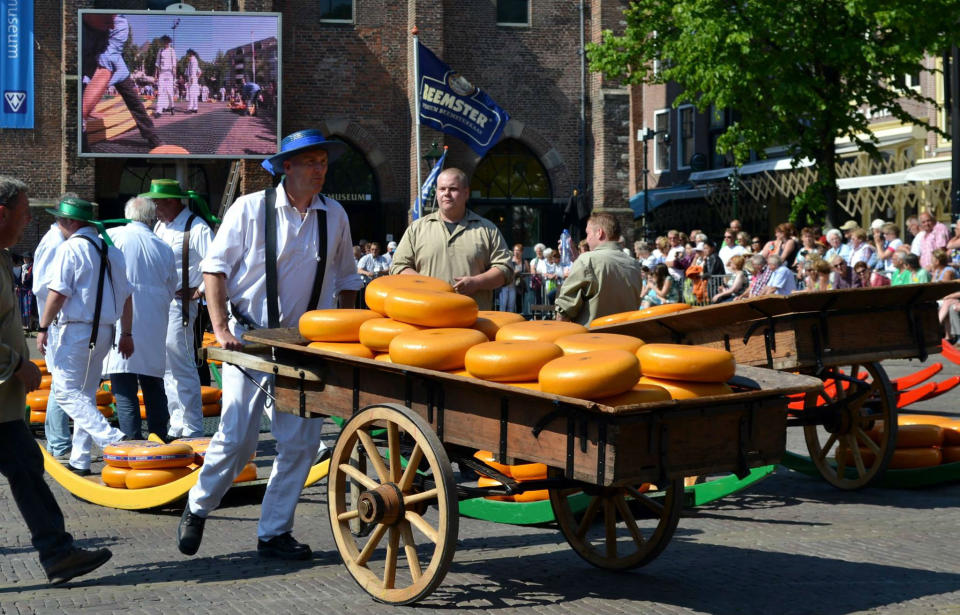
point(782, 281)
point(152, 274)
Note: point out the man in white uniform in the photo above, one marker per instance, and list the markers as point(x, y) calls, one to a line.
point(193, 81)
point(152, 274)
point(181, 380)
point(313, 264)
point(166, 76)
point(87, 292)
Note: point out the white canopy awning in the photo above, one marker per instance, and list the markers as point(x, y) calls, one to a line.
point(776, 164)
point(931, 171)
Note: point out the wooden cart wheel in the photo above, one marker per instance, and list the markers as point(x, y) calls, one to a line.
point(635, 528)
point(413, 510)
point(841, 449)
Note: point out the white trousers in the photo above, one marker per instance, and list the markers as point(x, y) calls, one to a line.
point(180, 379)
point(76, 370)
point(193, 96)
point(236, 440)
point(165, 91)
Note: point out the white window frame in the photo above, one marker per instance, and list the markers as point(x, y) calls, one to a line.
point(353, 15)
point(908, 81)
point(517, 24)
point(658, 142)
point(681, 154)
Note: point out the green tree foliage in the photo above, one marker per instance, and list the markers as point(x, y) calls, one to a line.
point(801, 72)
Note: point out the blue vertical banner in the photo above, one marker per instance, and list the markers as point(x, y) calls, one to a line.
point(428, 185)
point(16, 70)
point(454, 106)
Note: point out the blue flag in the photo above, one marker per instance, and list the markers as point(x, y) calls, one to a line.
point(427, 185)
point(16, 69)
point(453, 105)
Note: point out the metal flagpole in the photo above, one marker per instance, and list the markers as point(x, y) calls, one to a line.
point(416, 108)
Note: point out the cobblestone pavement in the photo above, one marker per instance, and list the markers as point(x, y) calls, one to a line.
point(791, 544)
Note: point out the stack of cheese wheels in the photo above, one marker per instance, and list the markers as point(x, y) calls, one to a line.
point(138, 464)
point(37, 400)
point(379, 289)
point(105, 403)
point(198, 445)
point(923, 440)
point(489, 322)
point(650, 312)
point(586, 342)
point(520, 473)
point(209, 339)
point(336, 330)
point(686, 371)
point(209, 398)
point(591, 375)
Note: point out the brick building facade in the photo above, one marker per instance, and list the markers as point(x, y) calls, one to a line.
point(352, 78)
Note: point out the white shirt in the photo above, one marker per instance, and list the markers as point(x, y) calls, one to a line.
point(76, 271)
point(915, 245)
point(367, 262)
point(783, 280)
point(193, 69)
point(42, 264)
point(200, 237)
point(153, 279)
point(238, 251)
point(167, 60)
point(728, 252)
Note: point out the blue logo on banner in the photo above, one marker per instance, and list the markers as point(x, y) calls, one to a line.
point(453, 105)
point(15, 101)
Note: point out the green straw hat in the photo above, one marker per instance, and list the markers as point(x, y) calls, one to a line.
point(165, 189)
point(73, 208)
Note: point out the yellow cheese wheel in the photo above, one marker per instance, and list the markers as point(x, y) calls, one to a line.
point(38, 416)
point(538, 331)
point(912, 435)
point(439, 349)
point(902, 458)
point(213, 409)
point(679, 389)
point(950, 426)
point(106, 386)
point(951, 434)
point(460, 372)
point(139, 478)
point(143, 411)
point(114, 477)
point(37, 400)
point(528, 471)
point(431, 308)
point(156, 455)
point(377, 290)
point(377, 333)
point(45, 381)
point(611, 319)
point(198, 445)
point(351, 348)
point(512, 361)
point(639, 394)
point(656, 310)
point(526, 496)
point(587, 342)
point(590, 375)
point(687, 363)
point(209, 395)
point(951, 454)
point(385, 357)
point(248, 473)
point(104, 398)
point(334, 325)
point(106, 411)
point(118, 453)
point(490, 322)
point(488, 458)
point(39, 363)
point(533, 386)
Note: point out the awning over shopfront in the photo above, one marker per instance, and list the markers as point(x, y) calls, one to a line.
point(776, 164)
point(659, 196)
point(924, 172)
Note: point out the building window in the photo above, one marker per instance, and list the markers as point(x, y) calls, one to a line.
point(336, 10)
point(661, 148)
point(685, 141)
point(909, 81)
point(513, 12)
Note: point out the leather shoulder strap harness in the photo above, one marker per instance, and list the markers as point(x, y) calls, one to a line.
point(185, 273)
point(101, 248)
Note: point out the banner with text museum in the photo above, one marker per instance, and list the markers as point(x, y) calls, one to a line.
point(16, 71)
point(453, 105)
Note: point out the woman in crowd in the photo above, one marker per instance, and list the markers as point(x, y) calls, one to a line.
point(808, 247)
point(899, 275)
point(915, 273)
point(783, 244)
point(737, 282)
point(660, 288)
point(836, 246)
point(808, 272)
point(538, 257)
point(861, 275)
point(861, 250)
point(756, 245)
point(942, 270)
point(886, 240)
point(659, 253)
point(551, 272)
point(511, 295)
point(823, 281)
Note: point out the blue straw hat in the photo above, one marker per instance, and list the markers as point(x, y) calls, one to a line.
point(303, 141)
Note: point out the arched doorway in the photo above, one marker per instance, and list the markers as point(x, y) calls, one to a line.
point(136, 177)
point(350, 180)
point(510, 187)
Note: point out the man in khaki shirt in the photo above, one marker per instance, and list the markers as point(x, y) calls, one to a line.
point(602, 281)
point(456, 245)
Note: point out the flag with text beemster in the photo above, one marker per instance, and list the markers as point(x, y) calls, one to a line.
point(453, 105)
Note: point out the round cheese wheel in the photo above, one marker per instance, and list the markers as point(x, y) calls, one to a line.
point(377, 333)
point(213, 409)
point(538, 331)
point(104, 398)
point(431, 308)
point(950, 426)
point(156, 455)
point(528, 471)
point(139, 478)
point(106, 411)
point(351, 348)
point(334, 325)
point(45, 381)
point(114, 477)
point(902, 458)
point(379, 289)
point(951, 454)
point(680, 389)
point(533, 386)
point(199, 446)
point(118, 453)
point(611, 319)
point(639, 394)
point(526, 496)
point(460, 372)
point(37, 400)
point(511, 361)
point(590, 375)
point(490, 321)
point(488, 458)
point(247, 474)
point(656, 310)
point(951, 434)
point(439, 349)
point(919, 436)
point(587, 342)
point(39, 362)
point(687, 363)
point(385, 357)
point(210, 395)
point(38, 416)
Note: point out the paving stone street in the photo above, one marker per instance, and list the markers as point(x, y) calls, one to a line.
point(791, 544)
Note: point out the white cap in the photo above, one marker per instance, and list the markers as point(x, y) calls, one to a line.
point(392, 245)
point(877, 224)
point(699, 247)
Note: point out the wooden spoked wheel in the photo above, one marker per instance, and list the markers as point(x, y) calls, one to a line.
point(841, 449)
point(621, 527)
point(411, 516)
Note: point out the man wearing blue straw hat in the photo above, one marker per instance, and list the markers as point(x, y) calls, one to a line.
point(277, 254)
point(87, 292)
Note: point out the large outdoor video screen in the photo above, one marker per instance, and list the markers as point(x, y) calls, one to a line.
point(201, 85)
